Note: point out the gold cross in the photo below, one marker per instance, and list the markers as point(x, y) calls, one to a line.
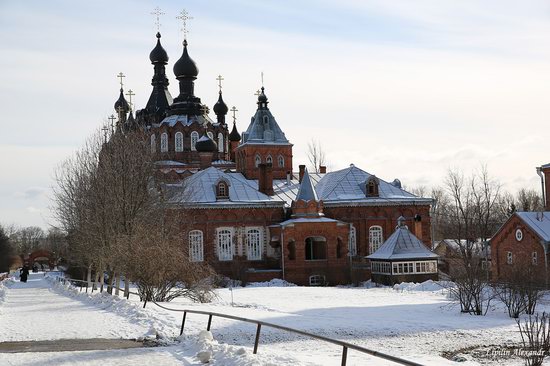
point(157, 12)
point(130, 94)
point(121, 75)
point(220, 78)
point(105, 129)
point(112, 118)
point(233, 109)
point(257, 93)
point(184, 16)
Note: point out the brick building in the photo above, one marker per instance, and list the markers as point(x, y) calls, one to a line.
point(252, 215)
point(523, 241)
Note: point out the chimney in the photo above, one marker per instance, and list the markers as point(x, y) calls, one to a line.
point(322, 169)
point(545, 169)
point(265, 179)
point(302, 171)
point(418, 226)
point(288, 177)
point(206, 159)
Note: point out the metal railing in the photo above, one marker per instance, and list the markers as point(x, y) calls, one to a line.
point(259, 324)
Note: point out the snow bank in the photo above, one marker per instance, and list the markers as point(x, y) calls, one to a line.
point(276, 282)
point(159, 327)
point(4, 285)
point(428, 285)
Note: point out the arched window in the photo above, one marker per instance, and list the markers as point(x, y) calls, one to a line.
point(196, 247)
point(220, 142)
point(194, 139)
point(153, 144)
point(352, 242)
point(225, 244)
point(178, 141)
point(281, 161)
point(164, 142)
point(316, 248)
point(269, 159)
point(372, 187)
point(258, 160)
point(376, 238)
point(211, 135)
point(266, 120)
point(222, 190)
point(253, 244)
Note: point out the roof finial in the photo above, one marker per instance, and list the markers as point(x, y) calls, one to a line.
point(220, 78)
point(121, 75)
point(184, 17)
point(234, 110)
point(130, 94)
point(157, 12)
point(262, 79)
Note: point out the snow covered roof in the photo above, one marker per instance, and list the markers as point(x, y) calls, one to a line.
point(264, 129)
point(304, 219)
point(307, 191)
point(200, 188)
point(402, 244)
point(186, 120)
point(169, 162)
point(538, 222)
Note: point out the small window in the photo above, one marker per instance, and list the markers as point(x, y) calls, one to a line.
point(194, 139)
point(372, 187)
point(352, 242)
point(196, 246)
point(509, 258)
point(316, 248)
point(254, 244)
point(153, 144)
point(222, 190)
point(534, 258)
point(291, 250)
point(164, 142)
point(178, 141)
point(375, 238)
point(258, 160)
point(316, 280)
point(281, 161)
point(519, 235)
point(211, 135)
point(266, 120)
point(220, 142)
point(269, 159)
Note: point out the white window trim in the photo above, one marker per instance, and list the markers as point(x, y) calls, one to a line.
point(317, 280)
point(196, 246)
point(375, 244)
point(153, 143)
point(178, 141)
point(257, 160)
point(413, 267)
point(225, 255)
point(211, 135)
point(509, 258)
point(250, 254)
point(534, 258)
point(164, 142)
point(269, 159)
point(194, 139)
point(281, 161)
point(352, 245)
point(220, 142)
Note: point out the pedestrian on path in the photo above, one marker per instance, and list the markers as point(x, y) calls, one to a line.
point(24, 275)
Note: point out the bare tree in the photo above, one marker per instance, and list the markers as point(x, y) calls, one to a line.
point(535, 336)
point(316, 155)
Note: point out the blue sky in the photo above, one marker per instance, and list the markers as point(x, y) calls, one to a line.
point(401, 88)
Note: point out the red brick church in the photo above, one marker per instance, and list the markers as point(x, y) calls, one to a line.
point(254, 216)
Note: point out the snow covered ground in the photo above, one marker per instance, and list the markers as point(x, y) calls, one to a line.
point(416, 322)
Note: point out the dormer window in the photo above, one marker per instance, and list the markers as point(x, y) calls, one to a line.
point(222, 190)
point(372, 187)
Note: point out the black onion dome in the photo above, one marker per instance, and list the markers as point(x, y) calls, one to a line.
point(220, 107)
point(158, 54)
point(185, 66)
point(122, 103)
point(234, 135)
point(262, 98)
point(205, 144)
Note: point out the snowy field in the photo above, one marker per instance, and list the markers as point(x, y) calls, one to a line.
point(418, 323)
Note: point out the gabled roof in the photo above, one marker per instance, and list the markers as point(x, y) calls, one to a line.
point(402, 245)
point(538, 222)
point(200, 188)
point(307, 191)
point(350, 183)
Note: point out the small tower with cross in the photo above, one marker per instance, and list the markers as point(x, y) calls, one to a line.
point(220, 108)
point(234, 136)
point(121, 105)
